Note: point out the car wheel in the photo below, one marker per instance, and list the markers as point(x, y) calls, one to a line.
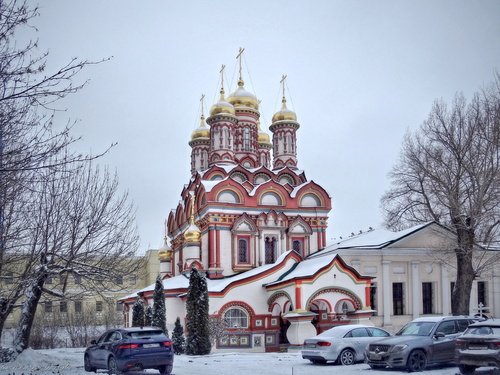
point(318, 361)
point(467, 369)
point(417, 361)
point(113, 366)
point(87, 365)
point(165, 370)
point(347, 357)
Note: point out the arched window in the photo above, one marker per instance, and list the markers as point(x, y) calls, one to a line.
point(310, 200)
point(261, 178)
point(228, 196)
point(297, 246)
point(216, 177)
point(240, 177)
point(246, 139)
point(285, 180)
point(236, 318)
point(270, 250)
point(270, 199)
point(243, 250)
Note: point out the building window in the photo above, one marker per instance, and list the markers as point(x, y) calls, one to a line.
point(119, 280)
point(397, 299)
point(48, 306)
point(373, 298)
point(48, 280)
point(243, 256)
point(297, 245)
point(98, 306)
point(236, 318)
point(427, 299)
point(246, 139)
point(482, 296)
point(119, 307)
point(78, 306)
point(270, 199)
point(9, 278)
point(63, 307)
point(78, 278)
point(270, 250)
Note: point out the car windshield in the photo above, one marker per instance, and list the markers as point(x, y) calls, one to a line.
point(483, 331)
point(144, 334)
point(417, 329)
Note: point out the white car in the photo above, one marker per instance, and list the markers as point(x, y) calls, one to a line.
point(344, 344)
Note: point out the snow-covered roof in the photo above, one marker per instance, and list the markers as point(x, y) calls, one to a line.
point(213, 285)
point(297, 188)
point(210, 184)
point(374, 239)
point(307, 267)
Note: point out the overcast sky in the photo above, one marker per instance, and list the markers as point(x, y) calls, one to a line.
point(360, 74)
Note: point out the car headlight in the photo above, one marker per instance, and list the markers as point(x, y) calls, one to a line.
point(399, 348)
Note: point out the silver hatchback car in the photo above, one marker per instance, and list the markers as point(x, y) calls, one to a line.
point(343, 344)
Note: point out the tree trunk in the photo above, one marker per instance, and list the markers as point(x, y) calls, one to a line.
point(460, 298)
point(33, 294)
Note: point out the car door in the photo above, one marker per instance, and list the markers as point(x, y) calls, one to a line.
point(359, 338)
point(102, 349)
point(443, 348)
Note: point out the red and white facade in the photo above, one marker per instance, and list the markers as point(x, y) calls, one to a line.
point(250, 221)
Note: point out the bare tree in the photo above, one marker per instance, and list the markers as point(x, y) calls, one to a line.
point(449, 172)
point(81, 226)
point(28, 139)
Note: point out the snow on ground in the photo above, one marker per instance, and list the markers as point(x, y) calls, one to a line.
point(70, 362)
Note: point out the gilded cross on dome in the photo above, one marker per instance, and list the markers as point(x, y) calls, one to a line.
point(202, 101)
point(221, 71)
point(283, 78)
point(239, 57)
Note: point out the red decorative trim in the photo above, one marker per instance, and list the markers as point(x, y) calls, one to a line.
point(274, 297)
point(240, 304)
point(356, 301)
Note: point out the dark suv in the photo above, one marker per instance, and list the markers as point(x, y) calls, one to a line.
point(422, 342)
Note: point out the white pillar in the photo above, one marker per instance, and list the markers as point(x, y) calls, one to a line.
point(387, 294)
point(495, 302)
point(445, 291)
point(415, 283)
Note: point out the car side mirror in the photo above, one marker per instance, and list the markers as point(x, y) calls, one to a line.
point(439, 335)
point(93, 342)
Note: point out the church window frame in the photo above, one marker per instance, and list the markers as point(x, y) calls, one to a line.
point(310, 200)
point(270, 249)
point(270, 198)
point(228, 196)
point(243, 250)
point(236, 318)
point(246, 139)
point(298, 245)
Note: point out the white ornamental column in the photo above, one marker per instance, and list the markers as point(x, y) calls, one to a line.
point(415, 282)
point(387, 295)
point(301, 327)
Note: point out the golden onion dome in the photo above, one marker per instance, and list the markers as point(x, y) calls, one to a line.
point(165, 252)
point(284, 113)
point(192, 234)
point(243, 98)
point(262, 137)
point(202, 131)
point(222, 106)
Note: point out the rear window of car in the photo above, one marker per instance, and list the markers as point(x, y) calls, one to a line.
point(462, 325)
point(483, 331)
point(144, 334)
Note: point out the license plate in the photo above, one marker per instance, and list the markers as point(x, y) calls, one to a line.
point(478, 347)
point(155, 345)
point(310, 346)
point(375, 356)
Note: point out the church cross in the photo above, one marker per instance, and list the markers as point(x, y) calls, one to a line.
point(221, 71)
point(202, 104)
point(239, 56)
point(283, 77)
